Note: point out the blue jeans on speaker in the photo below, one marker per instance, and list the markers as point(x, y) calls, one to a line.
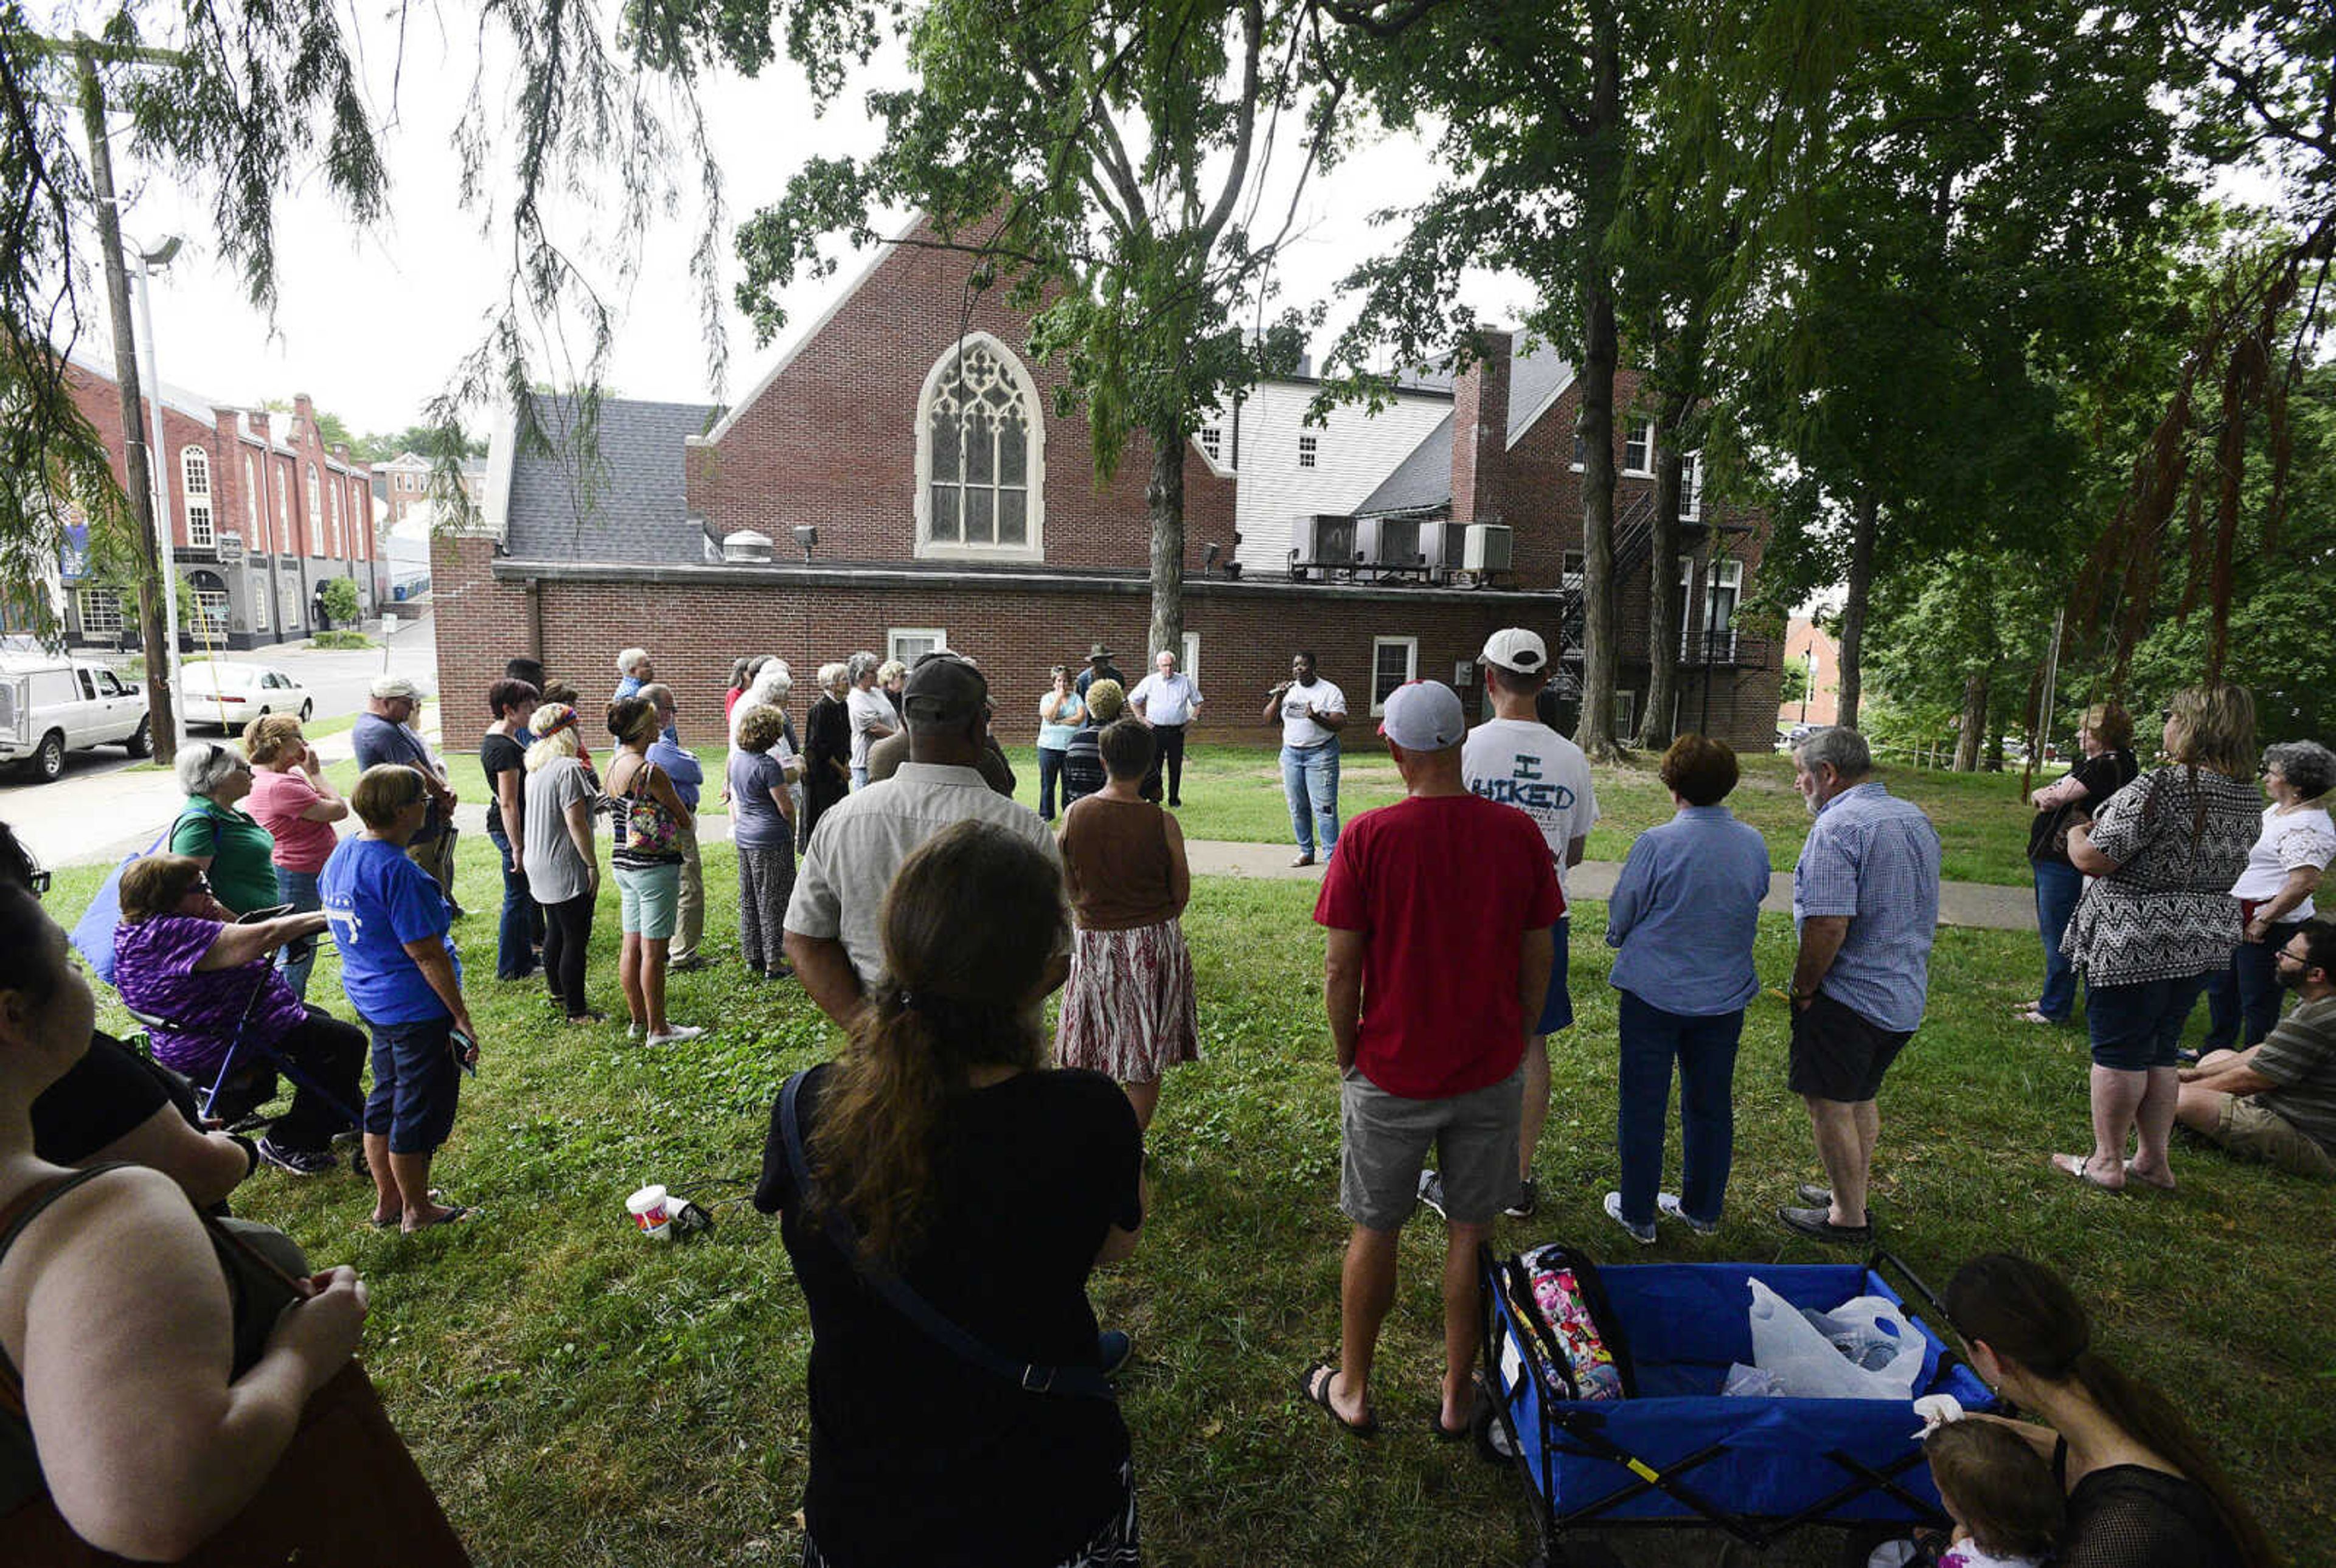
point(1309, 779)
point(2059, 886)
point(298, 889)
point(1652, 1038)
point(2242, 1001)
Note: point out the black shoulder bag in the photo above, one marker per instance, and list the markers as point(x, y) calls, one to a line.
point(1070, 1382)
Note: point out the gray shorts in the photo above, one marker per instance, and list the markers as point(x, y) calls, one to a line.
point(1386, 1142)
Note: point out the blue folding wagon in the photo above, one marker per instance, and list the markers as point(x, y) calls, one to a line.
point(1672, 1450)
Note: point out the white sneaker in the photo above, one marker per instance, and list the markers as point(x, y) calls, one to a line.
point(676, 1035)
point(1668, 1205)
point(634, 1032)
point(1643, 1234)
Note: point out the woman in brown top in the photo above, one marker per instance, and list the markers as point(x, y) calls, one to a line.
point(1127, 1007)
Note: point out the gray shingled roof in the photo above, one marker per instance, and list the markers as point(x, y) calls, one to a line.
point(628, 502)
point(1423, 478)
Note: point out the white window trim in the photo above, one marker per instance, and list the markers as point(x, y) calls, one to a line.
point(261, 615)
point(105, 596)
point(333, 506)
point(1410, 645)
point(316, 516)
point(1309, 449)
point(893, 636)
point(251, 502)
point(1691, 487)
point(195, 464)
point(284, 513)
point(1191, 659)
point(1649, 470)
point(1626, 712)
point(1035, 505)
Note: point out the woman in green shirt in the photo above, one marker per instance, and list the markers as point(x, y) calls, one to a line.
point(236, 853)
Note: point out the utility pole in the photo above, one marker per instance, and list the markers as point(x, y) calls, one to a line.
point(153, 561)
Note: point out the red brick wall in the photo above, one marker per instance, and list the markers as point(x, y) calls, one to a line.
point(833, 441)
point(696, 626)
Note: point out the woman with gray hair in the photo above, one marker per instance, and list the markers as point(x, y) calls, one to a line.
point(827, 748)
point(2274, 892)
point(235, 851)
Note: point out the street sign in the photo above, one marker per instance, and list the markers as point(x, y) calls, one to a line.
point(231, 548)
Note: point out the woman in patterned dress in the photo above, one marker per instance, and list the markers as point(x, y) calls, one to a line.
point(2157, 921)
point(1127, 1009)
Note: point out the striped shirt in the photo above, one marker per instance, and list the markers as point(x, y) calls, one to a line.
point(1874, 858)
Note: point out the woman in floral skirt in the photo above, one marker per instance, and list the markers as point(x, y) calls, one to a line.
point(1127, 1009)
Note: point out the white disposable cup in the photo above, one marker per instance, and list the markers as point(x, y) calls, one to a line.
point(650, 1212)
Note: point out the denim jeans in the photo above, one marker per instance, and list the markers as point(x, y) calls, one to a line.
point(515, 933)
point(1309, 779)
point(298, 889)
point(2138, 1027)
point(1705, 1047)
point(1050, 768)
point(2242, 1001)
point(2057, 888)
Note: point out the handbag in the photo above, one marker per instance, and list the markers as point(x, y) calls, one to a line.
point(1070, 1382)
point(347, 1491)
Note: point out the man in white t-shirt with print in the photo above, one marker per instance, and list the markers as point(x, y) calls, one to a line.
point(1516, 759)
point(1311, 712)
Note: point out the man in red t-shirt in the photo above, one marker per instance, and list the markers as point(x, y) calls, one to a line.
point(1438, 909)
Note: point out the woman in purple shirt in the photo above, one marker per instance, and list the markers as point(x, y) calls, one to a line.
point(1685, 912)
point(207, 982)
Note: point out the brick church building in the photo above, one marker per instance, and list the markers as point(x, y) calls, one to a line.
point(954, 508)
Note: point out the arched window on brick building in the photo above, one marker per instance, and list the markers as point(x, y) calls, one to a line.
point(981, 442)
point(315, 513)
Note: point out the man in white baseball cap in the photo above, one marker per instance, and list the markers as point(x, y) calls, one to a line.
point(1517, 760)
point(1438, 909)
point(384, 734)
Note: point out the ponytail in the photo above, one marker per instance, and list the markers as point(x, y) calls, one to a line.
point(2150, 1419)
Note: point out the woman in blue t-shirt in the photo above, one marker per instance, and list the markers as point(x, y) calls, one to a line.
point(392, 927)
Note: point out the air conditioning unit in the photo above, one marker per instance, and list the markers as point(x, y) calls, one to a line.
point(1487, 547)
point(1387, 541)
point(1442, 542)
point(1325, 538)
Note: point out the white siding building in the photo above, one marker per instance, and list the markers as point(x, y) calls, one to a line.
point(1290, 469)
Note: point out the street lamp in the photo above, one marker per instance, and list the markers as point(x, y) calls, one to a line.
point(148, 261)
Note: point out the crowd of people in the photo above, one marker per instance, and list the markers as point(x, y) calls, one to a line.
point(947, 1186)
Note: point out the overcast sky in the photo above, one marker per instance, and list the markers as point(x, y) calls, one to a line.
point(371, 323)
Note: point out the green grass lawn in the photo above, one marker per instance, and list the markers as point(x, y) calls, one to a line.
point(582, 1396)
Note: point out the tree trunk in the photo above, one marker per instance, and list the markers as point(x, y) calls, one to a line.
point(1163, 497)
point(161, 701)
point(1852, 610)
point(1973, 726)
point(1603, 164)
point(1662, 595)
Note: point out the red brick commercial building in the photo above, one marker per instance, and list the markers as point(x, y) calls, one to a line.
point(261, 512)
point(954, 507)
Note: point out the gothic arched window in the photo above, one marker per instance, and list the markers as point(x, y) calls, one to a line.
point(980, 456)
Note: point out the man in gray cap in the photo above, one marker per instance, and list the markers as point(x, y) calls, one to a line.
point(834, 935)
point(384, 734)
point(1437, 912)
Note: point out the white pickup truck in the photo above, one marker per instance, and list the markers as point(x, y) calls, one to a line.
point(51, 706)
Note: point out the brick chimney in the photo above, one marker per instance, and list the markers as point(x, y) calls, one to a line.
point(1480, 430)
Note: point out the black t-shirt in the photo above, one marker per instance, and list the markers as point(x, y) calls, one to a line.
point(2131, 1517)
point(2102, 777)
point(917, 1455)
point(499, 753)
point(105, 1095)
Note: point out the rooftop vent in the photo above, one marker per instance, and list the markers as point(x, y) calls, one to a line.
point(748, 546)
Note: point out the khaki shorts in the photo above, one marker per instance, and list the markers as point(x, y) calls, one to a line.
point(2247, 1128)
point(1385, 1144)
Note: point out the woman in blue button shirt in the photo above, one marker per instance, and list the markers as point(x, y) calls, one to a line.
point(1684, 913)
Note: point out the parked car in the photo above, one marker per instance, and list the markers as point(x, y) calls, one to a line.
point(50, 706)
point(231, 696)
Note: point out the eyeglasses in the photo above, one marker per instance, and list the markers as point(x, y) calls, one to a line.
point(198, 886)
point(39, 882)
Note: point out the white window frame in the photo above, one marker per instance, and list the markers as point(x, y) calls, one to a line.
point(284, 511)
point(1572, 570)
point(260, 606)
point(332, 507)
point(288, 604)
point(1191, 663)
point(251, 502)
point(1626, 712)
point(195, 490)
point(1033, 506)
point(1691, 487)
point(1410, 646)
point(1309, 449)
point(1645, 468)
point(316, 515)
point(107, 602)
point(896, 635)
point(360, 525)
point(1730, 580)
point(1212, 442)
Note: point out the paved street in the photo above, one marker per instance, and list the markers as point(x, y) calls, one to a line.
point(106, 805)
